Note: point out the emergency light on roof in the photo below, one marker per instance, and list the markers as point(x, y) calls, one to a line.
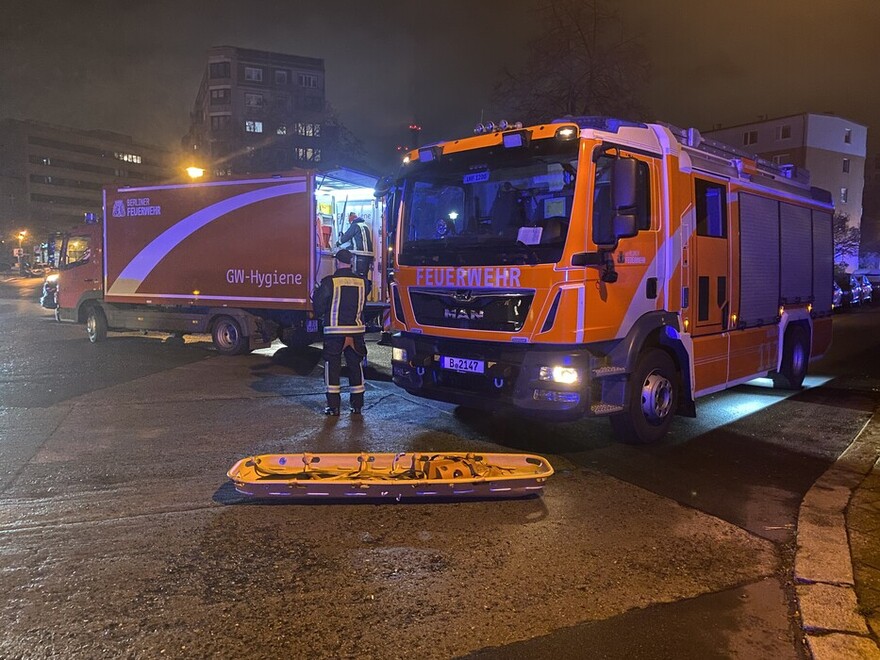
point(491, 127)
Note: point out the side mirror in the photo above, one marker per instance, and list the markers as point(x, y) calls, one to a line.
point(586, 259)
point(625, 178)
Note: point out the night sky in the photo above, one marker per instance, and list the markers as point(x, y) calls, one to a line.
point(135, 67)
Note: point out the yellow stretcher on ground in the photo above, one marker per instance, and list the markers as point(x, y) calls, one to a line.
point(410, 475)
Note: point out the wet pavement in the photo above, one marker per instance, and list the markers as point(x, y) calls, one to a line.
point(121, 536)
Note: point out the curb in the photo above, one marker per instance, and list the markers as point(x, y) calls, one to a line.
point(823, 568)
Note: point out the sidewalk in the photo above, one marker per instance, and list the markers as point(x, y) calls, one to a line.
point(837, 562)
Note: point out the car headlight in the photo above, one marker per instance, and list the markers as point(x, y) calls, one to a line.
point(558, 374)
point(398, 354)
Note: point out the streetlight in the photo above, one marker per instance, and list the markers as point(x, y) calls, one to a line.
point(21, 236)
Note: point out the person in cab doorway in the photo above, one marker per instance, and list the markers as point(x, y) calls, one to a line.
point(339, 303)
point(360, 236)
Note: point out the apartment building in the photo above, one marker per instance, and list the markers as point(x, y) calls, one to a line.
point(831, 148)
point(258, 111)
point(50, 176)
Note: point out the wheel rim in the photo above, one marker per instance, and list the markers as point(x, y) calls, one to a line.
point(90, 325)
point(657, 393)
point(227, 335)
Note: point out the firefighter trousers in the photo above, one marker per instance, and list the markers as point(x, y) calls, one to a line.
point(354, 348)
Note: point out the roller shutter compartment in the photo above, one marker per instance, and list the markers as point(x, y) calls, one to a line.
point(823, 261)
point(759, 260)
point(797, 254)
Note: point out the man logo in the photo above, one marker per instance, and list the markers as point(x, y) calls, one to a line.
point(118, 209)
point(463, 313)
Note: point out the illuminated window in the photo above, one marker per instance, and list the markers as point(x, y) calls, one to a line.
point(750, 137)
point(844, 195)
point(253, 74)
point(847, 135)
point(281, 130)
point(219, 70)
point(253, 126)
point(253, 100)
point(308, 80)
point(846, 165)
point(308, 154)
point(308, 129)
point(783, 132)
point(128, 158)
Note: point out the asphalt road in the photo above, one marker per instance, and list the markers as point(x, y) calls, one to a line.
point(121, 537)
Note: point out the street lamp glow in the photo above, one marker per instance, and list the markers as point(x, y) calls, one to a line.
point(195, 172)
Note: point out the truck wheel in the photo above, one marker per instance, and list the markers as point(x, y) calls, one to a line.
point(653, 400)
point(795, 357)
point(228, 337)
point(96, 324)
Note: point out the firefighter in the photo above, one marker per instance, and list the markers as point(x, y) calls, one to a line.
point(339, 302)
point(361, 238)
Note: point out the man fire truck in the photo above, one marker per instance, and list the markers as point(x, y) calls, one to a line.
point(592, 266)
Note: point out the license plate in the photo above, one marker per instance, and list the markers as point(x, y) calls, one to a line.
point(463, 364)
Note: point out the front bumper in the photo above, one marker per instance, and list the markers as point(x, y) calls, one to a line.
point(511, 380)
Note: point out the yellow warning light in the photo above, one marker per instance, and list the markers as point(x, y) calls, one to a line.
point(686, 324)
point(781, 310)
point(809, 308)
point(196, 292)
point(733, 319)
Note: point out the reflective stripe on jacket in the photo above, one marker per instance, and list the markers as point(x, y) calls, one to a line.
point(339, 302)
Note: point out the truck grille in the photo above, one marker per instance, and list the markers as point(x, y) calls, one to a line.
point(498, 310)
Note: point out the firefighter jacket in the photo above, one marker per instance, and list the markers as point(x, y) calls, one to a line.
point(339, 302)
point(361, 237)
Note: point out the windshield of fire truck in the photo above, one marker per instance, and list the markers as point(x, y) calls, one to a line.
point(489, 206)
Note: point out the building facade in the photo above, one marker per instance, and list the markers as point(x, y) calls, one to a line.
point(258, 111)
point(51, 176)
point(831, 148)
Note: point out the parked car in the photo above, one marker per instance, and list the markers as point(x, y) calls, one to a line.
point(867, 289)
point(851, 289)
point(836, 297)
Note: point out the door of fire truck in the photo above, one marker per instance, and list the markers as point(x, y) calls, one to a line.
point(80, 265)
point(710, 283)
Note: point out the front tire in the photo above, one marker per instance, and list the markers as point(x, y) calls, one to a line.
point(795, 358)
point(96, 324)
point(228, 337)
point(653, 400)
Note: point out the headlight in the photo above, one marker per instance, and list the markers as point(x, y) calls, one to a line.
point(563, 375)
point(52, 278)
point(398, 354)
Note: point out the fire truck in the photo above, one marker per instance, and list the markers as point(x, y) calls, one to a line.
point(237, 258)
point(600, 267)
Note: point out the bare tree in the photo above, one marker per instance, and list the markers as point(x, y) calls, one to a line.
point(584, 62)
point(846, 240)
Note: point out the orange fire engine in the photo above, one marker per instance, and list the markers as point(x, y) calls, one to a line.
point(593, 266)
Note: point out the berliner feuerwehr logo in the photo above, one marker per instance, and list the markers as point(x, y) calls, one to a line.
point(118, 209)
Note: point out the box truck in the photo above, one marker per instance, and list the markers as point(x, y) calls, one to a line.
point(236, 258)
